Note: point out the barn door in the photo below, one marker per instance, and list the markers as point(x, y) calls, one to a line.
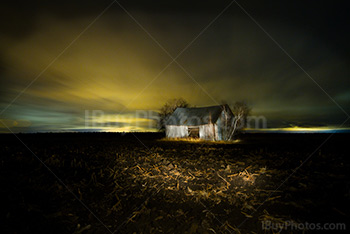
point(193, 132)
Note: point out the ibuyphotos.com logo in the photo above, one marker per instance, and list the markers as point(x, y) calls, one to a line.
point(294, 226)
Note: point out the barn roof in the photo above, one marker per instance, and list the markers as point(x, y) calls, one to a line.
point(195, 116)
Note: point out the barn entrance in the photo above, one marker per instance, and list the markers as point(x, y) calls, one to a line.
point(193, 132)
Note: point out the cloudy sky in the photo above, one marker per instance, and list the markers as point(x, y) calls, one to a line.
point(61, 61)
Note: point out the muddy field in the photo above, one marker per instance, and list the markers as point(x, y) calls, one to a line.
point(114, 183)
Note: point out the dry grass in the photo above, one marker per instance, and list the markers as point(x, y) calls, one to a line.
point(198, 140)
point(170, 186)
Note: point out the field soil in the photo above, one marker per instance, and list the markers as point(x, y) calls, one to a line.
point(142, 183)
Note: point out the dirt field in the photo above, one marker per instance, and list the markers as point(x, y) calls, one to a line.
point(114, 183)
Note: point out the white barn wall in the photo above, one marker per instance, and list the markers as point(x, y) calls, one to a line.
point(173, 131)
point(220, 123)
point(207, 131)
point(216, 133)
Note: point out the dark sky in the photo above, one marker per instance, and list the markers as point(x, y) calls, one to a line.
point(119, 63)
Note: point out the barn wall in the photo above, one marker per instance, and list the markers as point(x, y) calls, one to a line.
point(220, 123)
point(218, 133)
point(207, 131)
point(173, 131)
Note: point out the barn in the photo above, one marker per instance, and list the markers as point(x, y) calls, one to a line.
point(208, 123)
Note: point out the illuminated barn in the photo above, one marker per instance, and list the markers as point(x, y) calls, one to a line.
point(204, 122)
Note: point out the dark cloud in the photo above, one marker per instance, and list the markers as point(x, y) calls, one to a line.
point(109, 67)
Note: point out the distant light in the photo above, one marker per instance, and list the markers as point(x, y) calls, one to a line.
point(301, 130)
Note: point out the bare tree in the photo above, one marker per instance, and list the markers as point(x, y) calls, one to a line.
point(233, 124)
point(168, 108)
point(240, 111)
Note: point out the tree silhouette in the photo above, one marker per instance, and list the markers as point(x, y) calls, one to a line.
point(168, 108)
point(234, 125)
